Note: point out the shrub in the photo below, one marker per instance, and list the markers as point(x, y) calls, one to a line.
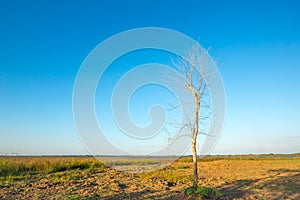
point(206, 192)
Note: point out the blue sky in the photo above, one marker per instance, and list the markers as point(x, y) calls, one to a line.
point(256, 45)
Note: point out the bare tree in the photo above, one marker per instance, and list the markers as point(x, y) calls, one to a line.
point(191, 78)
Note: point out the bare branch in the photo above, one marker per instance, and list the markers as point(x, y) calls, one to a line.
point(193, 75)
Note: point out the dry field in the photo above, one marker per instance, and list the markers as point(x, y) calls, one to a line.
point(86, 178)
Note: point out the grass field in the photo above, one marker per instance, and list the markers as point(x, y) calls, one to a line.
point(235, 177)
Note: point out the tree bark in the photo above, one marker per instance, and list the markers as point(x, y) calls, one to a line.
point(195, 163)
point(194, 141)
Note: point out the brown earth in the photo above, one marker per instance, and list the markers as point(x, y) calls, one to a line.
point(235, 179)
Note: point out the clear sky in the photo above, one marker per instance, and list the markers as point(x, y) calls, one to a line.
point(256, 45)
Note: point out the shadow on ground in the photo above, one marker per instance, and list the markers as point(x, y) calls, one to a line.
point(278, 184)
point(149, 194)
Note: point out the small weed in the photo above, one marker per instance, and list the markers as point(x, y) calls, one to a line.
point(73, 196)
point(257, 187)
point(72, 175)
point(206, 192)
point(14, 178)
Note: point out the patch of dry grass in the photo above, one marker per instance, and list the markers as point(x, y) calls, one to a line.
point(11, 166)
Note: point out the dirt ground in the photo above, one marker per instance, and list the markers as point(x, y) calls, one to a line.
point(235, 179)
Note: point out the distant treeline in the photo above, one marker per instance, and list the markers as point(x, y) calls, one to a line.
point(241, 157)
point(206, 157)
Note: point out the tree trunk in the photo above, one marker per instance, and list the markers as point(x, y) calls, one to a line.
point(194, 141)
point(195, 163)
